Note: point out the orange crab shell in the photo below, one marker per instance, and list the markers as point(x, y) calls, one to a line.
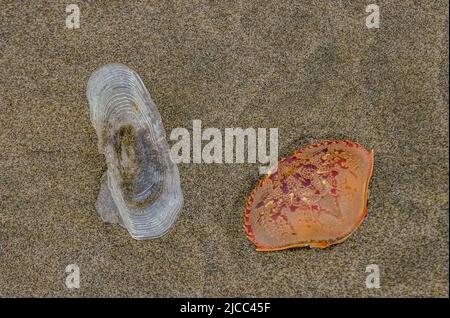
point(319, 210)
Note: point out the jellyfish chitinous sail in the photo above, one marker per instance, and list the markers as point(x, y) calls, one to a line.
point(141, 188)
point(317, 197)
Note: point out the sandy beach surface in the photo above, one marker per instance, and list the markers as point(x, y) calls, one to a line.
point(310, 68)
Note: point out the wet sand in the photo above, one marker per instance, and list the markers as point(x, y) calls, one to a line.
point(311, 68)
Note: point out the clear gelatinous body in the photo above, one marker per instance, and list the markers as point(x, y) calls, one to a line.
point(141, 188)
point(316, 198)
